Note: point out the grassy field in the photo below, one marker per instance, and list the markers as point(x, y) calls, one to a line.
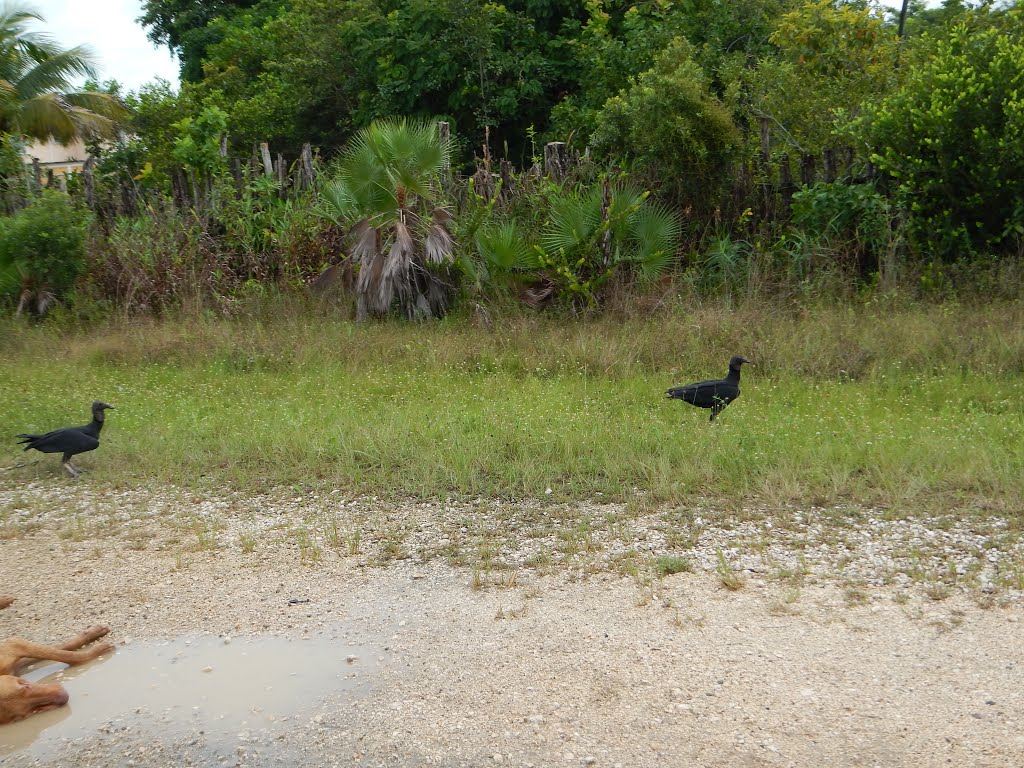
point(907, 407)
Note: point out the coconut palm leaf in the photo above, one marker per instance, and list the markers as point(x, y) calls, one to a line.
point(36, 98)
point(56, 71)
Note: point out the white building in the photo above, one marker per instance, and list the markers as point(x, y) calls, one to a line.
point(58, 157)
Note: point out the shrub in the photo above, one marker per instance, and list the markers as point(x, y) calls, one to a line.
point(952, 138)
point(669, 126)
point(852, 219)
point(42, 250)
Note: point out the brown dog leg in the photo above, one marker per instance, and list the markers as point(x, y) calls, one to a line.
point(5, 600)
point(16, 651)
point(84, 638)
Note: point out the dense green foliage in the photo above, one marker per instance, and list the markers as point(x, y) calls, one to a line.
point(42, 250)
point(952, 137)
point(771, 147)
point(669, 126)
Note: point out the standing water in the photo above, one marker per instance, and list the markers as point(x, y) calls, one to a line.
point(202, 684)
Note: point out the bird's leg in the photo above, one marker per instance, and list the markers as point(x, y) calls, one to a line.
point(71, 470)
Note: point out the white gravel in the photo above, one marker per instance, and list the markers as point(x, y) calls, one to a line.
point(536, 633)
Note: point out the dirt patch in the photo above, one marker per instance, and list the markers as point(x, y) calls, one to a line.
point(818, 657)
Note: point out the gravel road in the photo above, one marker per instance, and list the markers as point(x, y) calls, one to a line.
point(535, 633)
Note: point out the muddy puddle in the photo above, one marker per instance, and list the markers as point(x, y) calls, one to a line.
point(215, 686)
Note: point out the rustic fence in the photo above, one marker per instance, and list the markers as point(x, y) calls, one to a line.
point(765, 185)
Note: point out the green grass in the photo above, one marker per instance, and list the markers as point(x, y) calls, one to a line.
point(906, 407)
point(667, 565)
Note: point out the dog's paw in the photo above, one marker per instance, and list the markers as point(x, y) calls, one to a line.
point(5, 600)
point(96, 632)
point(104, 647)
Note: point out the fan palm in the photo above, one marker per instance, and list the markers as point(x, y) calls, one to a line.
point(385, 192)
point(594, 232)
point(36, 97)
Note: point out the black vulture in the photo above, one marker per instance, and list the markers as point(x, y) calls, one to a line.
point(715, 393)
point(70, 440)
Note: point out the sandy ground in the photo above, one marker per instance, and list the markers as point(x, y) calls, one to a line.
point(547, 667)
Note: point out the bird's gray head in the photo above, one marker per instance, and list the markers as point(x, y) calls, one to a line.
point(98, 407)
point(737, 361)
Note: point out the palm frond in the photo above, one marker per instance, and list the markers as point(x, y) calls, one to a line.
point(654, 235)
point(102, 104)
point(44, 117)
point(504, 247)
point(337, 202)
point(625, 201)
point(438, 247)
point(573, 222)
point(399, 259)
point(56, 72)
point(367, 242)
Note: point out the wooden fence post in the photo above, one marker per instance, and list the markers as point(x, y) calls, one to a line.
point(236, 174)
point(807, 172)
point(268, 165)
point(445, 136)
point(282, 176)
point(848, 163)
point(37, 176)
point(178, 190)
point(90, 182)
point(767, 192)
point(786, 184)
point(606, 238)
point(766, 141)
point(307, 174)
point(829, 161)
point(507, 177)
point(556, 160)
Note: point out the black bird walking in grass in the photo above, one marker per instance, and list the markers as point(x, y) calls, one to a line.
point(70, 440)
point(714, 393)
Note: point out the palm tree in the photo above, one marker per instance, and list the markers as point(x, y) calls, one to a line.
point(36, 97)
point(386, 193)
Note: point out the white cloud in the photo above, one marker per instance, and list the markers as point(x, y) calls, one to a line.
point(110, 29)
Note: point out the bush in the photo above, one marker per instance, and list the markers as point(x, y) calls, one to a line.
point(42, 251)
point(854, 220)
point(952, 138)
point(669, 126)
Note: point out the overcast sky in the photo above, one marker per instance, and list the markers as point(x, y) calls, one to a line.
point(125, 55)
point(110, 29)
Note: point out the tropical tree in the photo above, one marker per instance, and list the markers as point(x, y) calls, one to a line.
point(36, 96)
point(386, 192)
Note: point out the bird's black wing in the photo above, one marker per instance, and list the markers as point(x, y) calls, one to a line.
point(705, 393)
point(67, 440)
